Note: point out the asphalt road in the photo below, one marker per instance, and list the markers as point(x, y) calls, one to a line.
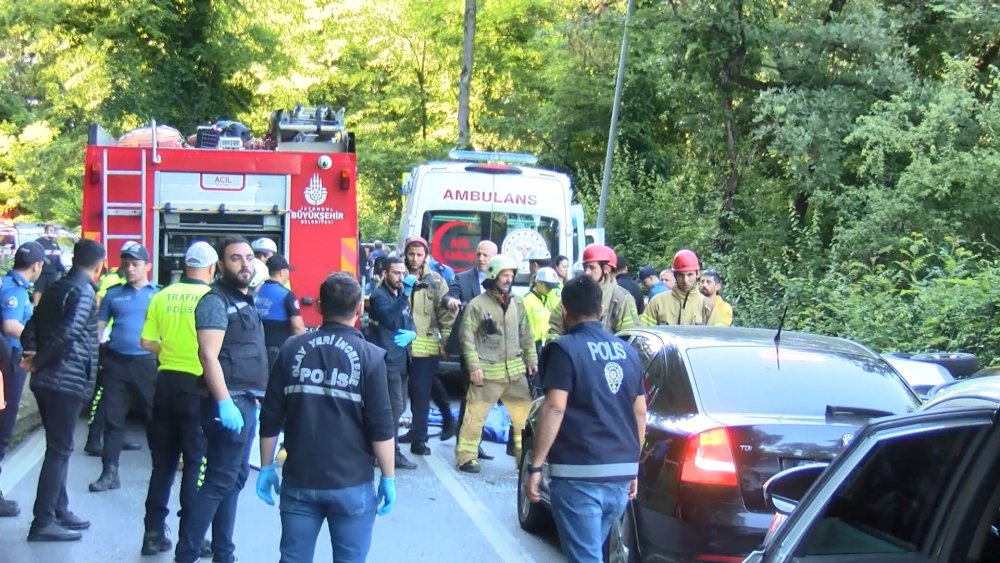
point(441, 515)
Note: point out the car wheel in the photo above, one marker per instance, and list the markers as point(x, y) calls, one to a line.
point(533, 517)
point(620, 545)
point(957, 363)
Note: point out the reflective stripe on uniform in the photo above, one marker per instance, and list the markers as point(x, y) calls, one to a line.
point(567, 471)
point(317, 390)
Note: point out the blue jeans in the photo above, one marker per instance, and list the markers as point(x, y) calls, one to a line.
point(349, 512)
point(584, 512)
point(225, 471)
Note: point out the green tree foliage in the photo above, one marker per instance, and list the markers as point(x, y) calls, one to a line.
point(839, 157)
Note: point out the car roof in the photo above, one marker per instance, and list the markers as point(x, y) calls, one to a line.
point(976, 391)
point(691, 337)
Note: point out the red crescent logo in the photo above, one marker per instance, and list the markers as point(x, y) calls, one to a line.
point(439, 234)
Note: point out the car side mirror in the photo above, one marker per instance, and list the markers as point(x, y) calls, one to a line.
point(784, 491)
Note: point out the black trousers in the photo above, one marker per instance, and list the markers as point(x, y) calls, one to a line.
point(227, 466)
point(174, 430)
point(98, 412)
point(126, 379)
point(13, 387)
point(59, 415)
point(425, 387)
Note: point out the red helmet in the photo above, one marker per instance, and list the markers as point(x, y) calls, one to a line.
point(600, 253)
point(685, 261)
point(417, 240)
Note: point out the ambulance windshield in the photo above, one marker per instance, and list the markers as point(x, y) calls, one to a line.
point(453, 236)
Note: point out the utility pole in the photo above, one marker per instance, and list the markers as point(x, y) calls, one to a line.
point(613, 130)
point(465, 77)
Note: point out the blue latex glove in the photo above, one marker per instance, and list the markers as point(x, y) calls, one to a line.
point(230, 416)
point(266, 481)
point(386, 495)
point(404, 337)
point(408, 282)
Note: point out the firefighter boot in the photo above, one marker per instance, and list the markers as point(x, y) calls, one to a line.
point(156, 541)
point(108, 479)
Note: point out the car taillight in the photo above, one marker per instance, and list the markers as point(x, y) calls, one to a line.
point(709, 459)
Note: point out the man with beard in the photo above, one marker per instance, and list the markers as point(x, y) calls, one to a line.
point(710, 285)
point(391, 327)
point(498, 349)
point(432, 320)
point(599, 264)
point(234, 359)
point(683, 305)
point(466, 286)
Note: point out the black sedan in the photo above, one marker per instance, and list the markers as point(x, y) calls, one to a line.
point(918, 487)
point(728, 408)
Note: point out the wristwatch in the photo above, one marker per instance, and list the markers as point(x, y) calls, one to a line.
point(532, 470)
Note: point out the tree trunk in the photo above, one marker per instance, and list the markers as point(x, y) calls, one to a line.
point(465, 78)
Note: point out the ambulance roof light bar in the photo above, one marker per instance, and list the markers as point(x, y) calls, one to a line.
point(491, 156)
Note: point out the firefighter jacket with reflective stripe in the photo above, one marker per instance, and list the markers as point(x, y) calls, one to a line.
point(619, 310)
point(676, 308)
point(495, 337)
point(432, 320)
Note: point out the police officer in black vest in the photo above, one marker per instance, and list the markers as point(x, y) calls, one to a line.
point(593, 392)
point(234, 358)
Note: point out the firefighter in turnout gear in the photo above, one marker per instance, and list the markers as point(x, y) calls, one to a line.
point(599, 264)
point(498, 349)
point(684, 304)
point(432, 321)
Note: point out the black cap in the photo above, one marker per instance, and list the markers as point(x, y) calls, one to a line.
point(136, 252)
point(646, 272)
point(277, 263)
point(29, 253)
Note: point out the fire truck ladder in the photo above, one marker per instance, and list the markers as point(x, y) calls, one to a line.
point(116, 208)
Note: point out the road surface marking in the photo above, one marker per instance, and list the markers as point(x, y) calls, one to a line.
point(23, 460)
point(502, 541)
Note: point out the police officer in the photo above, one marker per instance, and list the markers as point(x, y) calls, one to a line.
point(98, 414)
point(15, 310)
point(278, 307)
point(538, 304)
point(169, 333)
point(391, 328)
point(54, 268)
point(234, 358)
point(498, 350)
point(128, 370)
point(593, 387)
point(328, 390)
point(599, 264)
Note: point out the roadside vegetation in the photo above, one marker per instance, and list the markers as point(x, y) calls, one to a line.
point(838, 157)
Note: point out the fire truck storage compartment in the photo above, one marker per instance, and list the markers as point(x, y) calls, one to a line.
point(179, 230)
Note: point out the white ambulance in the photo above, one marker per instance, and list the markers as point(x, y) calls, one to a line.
point(479, 196)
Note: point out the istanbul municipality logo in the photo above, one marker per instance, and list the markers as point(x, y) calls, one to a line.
point(315, 192)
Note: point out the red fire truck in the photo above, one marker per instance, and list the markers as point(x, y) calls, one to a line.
point(300, 191)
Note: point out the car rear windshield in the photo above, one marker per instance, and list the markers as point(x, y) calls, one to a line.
point(762, 380)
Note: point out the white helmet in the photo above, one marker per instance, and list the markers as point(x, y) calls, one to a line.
point(498, 264)
point(539, 254)
point(548, 276)
point(264, 245)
